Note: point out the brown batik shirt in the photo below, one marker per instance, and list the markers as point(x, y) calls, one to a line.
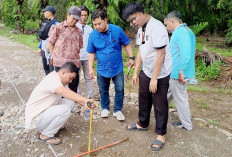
point(67, 44)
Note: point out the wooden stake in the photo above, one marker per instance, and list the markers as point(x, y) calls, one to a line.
point(109, 145)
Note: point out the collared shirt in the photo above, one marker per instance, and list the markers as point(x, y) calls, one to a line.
point(183, 45)
point(108, 49)
point(67, 44)
point(155, 37)
point(42, 97)
point(86, 30)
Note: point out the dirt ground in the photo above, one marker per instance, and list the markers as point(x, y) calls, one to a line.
point(211, 111)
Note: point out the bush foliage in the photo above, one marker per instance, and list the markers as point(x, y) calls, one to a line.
point(217, 14)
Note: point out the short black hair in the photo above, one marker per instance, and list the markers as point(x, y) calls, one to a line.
point(84, 8)
point(132, 8)
point(99, 13)
point(69, 67)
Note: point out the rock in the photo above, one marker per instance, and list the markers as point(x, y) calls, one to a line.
point(14, 114)
point(8, 114)
point(65, 138)
point(1, 113)
point(15, 138)
point(42, 155)
point(229, 138)
point(60, 154)
point(134, 95)
point(225, 132)
point(20, 126)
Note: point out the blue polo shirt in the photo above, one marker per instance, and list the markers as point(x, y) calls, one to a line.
point(108, 49)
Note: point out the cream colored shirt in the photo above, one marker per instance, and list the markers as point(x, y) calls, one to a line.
point(42, 97)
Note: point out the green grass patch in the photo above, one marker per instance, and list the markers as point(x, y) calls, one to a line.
point(171, 105)
point(201, 103)
point(217, 47)
point(213, 122)
point(200, 89)
point(197, 89)
point(25, 39)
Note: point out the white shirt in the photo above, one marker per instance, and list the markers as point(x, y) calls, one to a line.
point(155, 36)
point(87, 30)
point(42, 97)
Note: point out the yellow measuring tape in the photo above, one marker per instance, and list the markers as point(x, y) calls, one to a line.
point(90, 129)
point(90, 126)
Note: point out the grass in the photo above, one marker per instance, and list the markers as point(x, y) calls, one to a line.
point(216, 48)
point(27, 40)
point(201, 103)
point(200, 89)
point(213, 122)
point(171, 105)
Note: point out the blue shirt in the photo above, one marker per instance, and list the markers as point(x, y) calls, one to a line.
point(182, 45)
point(108, 49)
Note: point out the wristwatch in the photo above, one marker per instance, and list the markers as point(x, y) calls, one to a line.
point(133, 58)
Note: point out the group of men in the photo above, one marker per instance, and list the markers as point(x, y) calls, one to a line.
point(162, 68)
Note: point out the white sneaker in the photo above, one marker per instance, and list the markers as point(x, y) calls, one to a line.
point(119, 115)
point(105, 113)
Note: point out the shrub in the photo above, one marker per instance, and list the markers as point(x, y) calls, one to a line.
point(204, 73)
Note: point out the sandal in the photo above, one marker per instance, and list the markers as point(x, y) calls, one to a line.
point(49, 138)
point(157, 142)
point(133, 127)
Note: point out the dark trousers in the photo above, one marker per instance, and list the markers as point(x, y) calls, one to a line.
point(74, 84)
point(47, 67)
point(158, 100)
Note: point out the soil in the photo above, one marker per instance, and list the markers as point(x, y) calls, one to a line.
point(211, 112)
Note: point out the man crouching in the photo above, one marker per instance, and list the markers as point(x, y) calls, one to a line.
point(51, 103)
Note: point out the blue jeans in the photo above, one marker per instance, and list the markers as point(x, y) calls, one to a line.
point(104, 84)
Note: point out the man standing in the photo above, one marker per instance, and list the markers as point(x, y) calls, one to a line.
point(49, 15)
point(86, 30)
point(106, 43)
point(51, 102)
point(65, 42)
point(182, 44)
point(154, 56)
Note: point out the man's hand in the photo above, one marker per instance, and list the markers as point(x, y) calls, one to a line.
point(51, 61)
point(181, 78)
point(89, 104)
point(91, 73)
point(134, 79)
point(153, 85)
point(39, 51)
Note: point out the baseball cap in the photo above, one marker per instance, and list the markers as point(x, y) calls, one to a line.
point(49, 8)
point(75, 11)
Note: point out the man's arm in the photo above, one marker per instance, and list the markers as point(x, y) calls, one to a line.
point(137, 68)
point(69, 94)
point(91, 60)
point(156, 71)
point(130, 53)
point(50, 48)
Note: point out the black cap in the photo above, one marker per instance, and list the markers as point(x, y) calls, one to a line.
point(49, 8)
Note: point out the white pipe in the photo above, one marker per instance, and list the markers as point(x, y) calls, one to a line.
point(13, 84)
point(52, 150)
